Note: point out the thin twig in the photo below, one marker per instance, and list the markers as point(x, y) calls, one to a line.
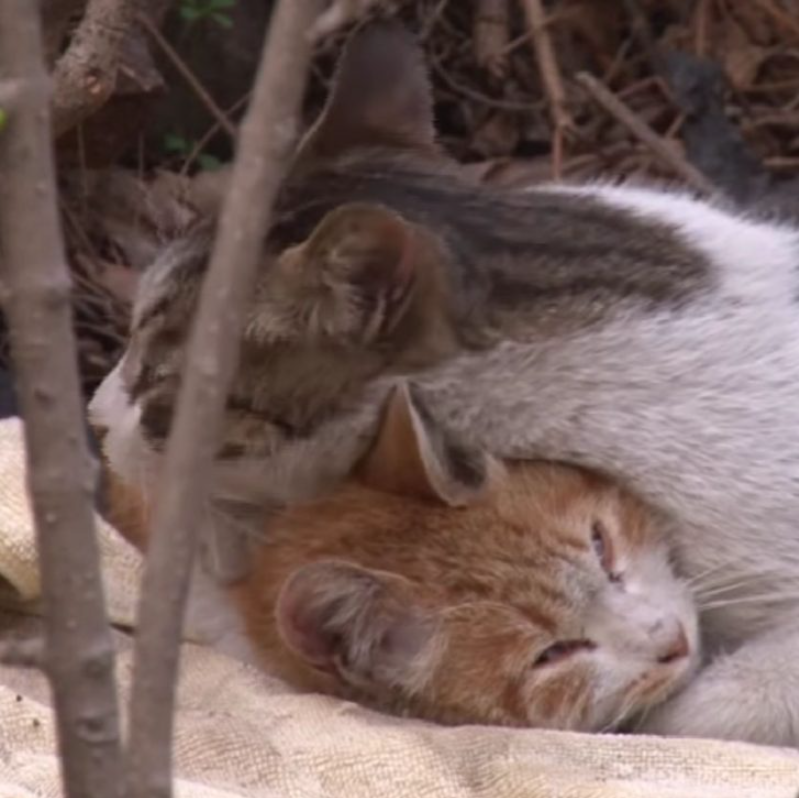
point(701, 24)
point(551, 78)
point(267, 133)
point(660, 147)
point(191, 79)
point(491, 35)
point(642, 32)
point(477, 96)
point(780, 16)
point(79, 654)
point(340, 13)
point(203, 141)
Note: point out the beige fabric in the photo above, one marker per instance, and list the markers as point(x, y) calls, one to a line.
point(242, 734)
point(121, 563)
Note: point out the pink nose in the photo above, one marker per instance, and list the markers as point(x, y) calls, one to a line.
point(677, 648)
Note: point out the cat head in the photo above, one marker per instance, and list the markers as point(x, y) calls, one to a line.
point(350, 279)
point(442, 584)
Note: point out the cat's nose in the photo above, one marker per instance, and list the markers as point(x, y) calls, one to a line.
point(677, 648)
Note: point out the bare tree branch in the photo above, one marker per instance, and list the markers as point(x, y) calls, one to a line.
point(340, 13)
point(267, 133)
point(86, 74)
point(78, 656)
point(644, 133)
point(551, 78)
point(491, 36)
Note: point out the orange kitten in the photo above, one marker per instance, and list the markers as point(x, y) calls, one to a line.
point(439, 584)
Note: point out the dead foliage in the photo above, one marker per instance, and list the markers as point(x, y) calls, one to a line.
point(716, 80)
point(703, 93)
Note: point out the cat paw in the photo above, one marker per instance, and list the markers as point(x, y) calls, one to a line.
point(722, 708)
point(674, 718)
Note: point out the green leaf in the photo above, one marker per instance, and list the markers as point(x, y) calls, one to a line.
point(218, 5)
point(174, 143)
point(222, 20)
point(190, 13)
point(208, 163)
point(3, 119)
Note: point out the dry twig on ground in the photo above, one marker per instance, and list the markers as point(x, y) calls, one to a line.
point(191, 79)
point(78, 655)
point(661, 148)
point(267, 133)
point(550, 76)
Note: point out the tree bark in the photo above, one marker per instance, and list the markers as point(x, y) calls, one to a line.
point(78, 649)
point(267, 134)
point(86, 74)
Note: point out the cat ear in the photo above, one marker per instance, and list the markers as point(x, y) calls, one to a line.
point(352, 279)
point(356, 623)
point(380, 97)
point(413, 456)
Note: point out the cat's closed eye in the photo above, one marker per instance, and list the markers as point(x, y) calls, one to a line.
point(558, 652)
point(603, 547)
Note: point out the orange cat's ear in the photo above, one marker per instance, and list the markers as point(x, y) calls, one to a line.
point(381, 97)
point(413, 456)
point(353, 622)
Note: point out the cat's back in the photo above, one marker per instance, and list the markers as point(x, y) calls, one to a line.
point(693, 402)
point(755, 258)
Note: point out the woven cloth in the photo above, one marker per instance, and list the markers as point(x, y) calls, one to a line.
point(240, 733)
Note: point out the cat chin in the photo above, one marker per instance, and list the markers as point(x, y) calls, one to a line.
point(117, 422)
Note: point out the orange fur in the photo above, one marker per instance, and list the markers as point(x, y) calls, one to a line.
point(491, 573)
point(435, 579)
point(127, 510)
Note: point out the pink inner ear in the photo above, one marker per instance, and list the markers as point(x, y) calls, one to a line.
point(301, 628)
point(404, 639)
point(404, 270)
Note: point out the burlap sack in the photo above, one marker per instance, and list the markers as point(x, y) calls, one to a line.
point(240, 733)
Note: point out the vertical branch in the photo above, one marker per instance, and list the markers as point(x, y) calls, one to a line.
point(656, 143)
point(267, 133)
point(78, 652)
point(491, 35)
point(551, 78)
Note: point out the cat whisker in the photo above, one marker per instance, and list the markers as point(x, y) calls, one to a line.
point(763, 598)
point(641, 718)
point(702, 583)
point(621, 715)
point(718, 589)
point(697, 578)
